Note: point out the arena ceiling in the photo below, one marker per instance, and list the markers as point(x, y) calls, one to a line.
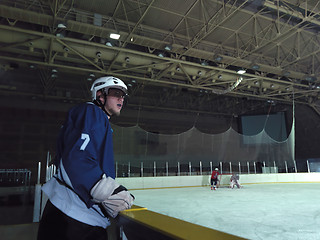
point(176, 56)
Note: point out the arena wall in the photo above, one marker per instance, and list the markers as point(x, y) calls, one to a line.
point(194, 181)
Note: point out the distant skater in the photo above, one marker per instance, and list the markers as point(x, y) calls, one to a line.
point(234, 180)
point(214, 178)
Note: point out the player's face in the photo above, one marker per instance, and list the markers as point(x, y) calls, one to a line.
point(115, 100)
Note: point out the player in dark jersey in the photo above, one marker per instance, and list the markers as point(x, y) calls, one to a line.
point(83, 194)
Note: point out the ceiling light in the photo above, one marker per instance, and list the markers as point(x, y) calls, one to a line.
point(92, 75)
point(218, 58)
point(168, 48)
point(114, 36)
point(127, 59)
point(178, 69)
point(89, 79)
point(204, 63)
point(54, 75)
point(160, 54)
point(131, 39)
point(199, 73)
point(54, 70)
point(98, 54)
point(241, 71)
point(62, 25)
point(255, 66)
point(60, 35)
point(285, 73)
point(66, 49)
point(109, 44)
point(310, 78)
point(272, 85)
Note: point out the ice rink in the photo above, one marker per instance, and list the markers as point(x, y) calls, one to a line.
point(279, 211)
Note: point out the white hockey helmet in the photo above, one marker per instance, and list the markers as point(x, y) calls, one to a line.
point(106, 83)
point(216, 169)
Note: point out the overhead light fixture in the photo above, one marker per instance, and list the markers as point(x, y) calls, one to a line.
point(199, 73)
point(255, 67)
point(89, 79)
point(60, 35)
point(204, 63)
point(285, 73)
point(127, 59)
point(62, 26)
point(131, 39)
point(218, 58)
point(109, 44)
point(115, 36)
point(160, 54)
point(168, 48)
point(310, 78)
point(66, 49)
point(241, 71)
point(54, 75)
point(92, 75)
point(54, 70)
point(178, 69)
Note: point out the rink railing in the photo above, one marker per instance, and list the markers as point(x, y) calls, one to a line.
point(178, 169)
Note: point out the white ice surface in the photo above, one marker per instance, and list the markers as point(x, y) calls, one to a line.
point(261, 211)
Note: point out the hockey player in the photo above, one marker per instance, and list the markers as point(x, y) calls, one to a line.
point(234, 180)
point(214, 178)
point(83, 194)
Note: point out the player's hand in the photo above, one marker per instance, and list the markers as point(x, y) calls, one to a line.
point(120, 200)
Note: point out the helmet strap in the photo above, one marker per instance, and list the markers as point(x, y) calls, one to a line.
point(99, 103)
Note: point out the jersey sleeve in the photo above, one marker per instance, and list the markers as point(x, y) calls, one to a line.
point(85, 146)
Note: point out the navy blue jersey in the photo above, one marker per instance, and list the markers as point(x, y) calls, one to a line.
point(85, 148)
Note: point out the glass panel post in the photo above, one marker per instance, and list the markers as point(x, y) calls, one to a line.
point(285, 163)
point(295, 166)
point(308, 166)
point(178, 169)
point(39, 171)
point(129, 169)
point(254, 166)
point(200, 165)
point(154, 169)
point(239, 168)
point(230, 167)
point(221, 167)
point(190, 169)
point(167, 169)
point(274, 166)
point(141, 169)
point(211, 167)
point(248, 167)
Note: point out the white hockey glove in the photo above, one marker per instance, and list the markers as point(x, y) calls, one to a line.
point(120, 200)
point(112, 196)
